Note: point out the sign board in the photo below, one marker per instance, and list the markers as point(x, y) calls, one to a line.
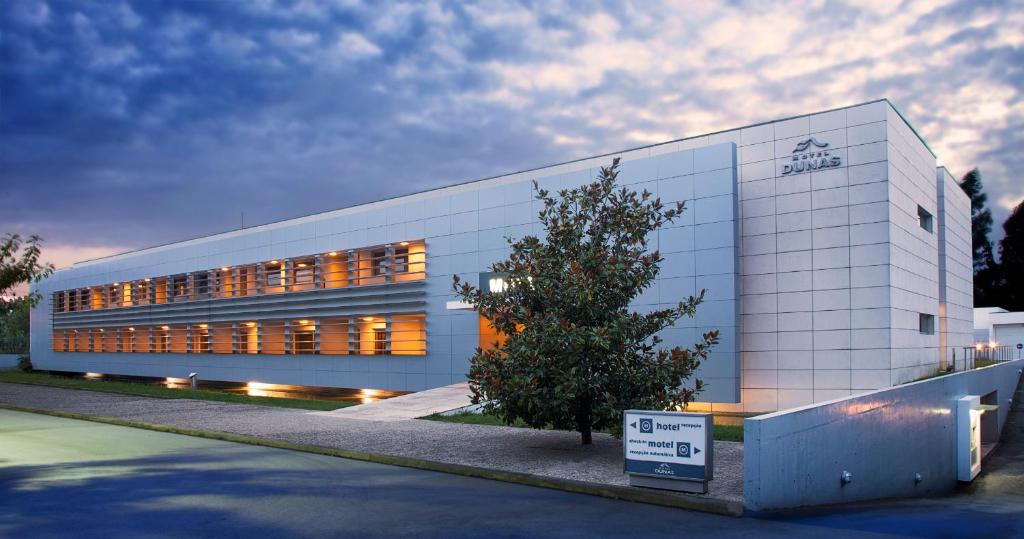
point(670, 450)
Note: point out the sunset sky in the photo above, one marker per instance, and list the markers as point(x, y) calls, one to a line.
point(127, 124)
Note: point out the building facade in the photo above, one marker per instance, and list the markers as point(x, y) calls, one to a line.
point(830, 246)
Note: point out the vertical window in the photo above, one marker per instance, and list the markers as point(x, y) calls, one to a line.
point(924, 218)
point(409, 334)
point(273, 276)
point(160, 291)
point(302, 270)
point(272, 337)
point(58, 302)
point(179, 339)
point(72, 300)
point(334, 266)
point(926, 324)
point(162, 339)
point(303, 336)
point(127, 340)
point(334, 336)
point(97, 299)
point(378, 262)
point(58, 341)
point(179, 287)
point(200, 338)
point(372, 335)
point(246, 285)
point(201, 284)
point(248, 338)
point(82, 338)
point(142, 292)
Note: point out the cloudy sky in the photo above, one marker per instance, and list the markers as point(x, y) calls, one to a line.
point(126, 124)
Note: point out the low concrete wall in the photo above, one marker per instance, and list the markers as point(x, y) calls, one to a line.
point(795, 457)
point(9, 361)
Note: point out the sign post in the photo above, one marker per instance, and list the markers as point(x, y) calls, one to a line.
point(668, 450)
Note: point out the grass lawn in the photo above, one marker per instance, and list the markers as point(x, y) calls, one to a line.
point(723, 433)
point(148, 390)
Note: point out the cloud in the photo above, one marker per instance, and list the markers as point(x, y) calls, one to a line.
point(138, 123)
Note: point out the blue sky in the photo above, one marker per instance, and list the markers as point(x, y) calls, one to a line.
point(126, 124)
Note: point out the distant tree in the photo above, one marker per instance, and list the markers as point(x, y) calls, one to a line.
point(574, 355)
point(985, 271)
point(1010, 288)
point(19, 265)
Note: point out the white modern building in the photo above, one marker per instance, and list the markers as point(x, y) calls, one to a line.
point(835, 254)
point(995, 326)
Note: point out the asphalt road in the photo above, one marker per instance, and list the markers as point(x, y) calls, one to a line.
point(62, 477)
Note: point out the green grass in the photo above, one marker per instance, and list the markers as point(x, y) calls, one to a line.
point(147, 390)
point(723, 433)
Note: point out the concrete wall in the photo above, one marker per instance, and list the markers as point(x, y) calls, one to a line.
point(956, 271)
point(795, 457)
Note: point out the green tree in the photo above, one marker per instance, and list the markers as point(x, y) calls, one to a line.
point(19, 265)
point(981, 225)
point(575, 356)
point(1010, 289)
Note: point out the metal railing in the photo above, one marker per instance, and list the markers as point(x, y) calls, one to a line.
point(983, 355)
point(13, 345)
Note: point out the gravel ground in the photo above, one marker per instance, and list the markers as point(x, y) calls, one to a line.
point(545, 453)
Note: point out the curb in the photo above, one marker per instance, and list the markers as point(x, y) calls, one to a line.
point(632, 494)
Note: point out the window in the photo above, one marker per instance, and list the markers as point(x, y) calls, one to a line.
point(303, 337)
point(302, 274)
point(372, 335)
point(179, 287)
point(335, 269)
point(409, 334)
point(924, 218)
point(377, 262)
point(248, 338)
point(334, 336)
point(200, 339)
point(58, 302)
point(162, 339)
point(160, 291)
point(201, 283)
point(273, 277)
point(246, 285)
point(926, 324)
point(142, 292)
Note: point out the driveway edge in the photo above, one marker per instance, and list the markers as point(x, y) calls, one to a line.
point(653, 497)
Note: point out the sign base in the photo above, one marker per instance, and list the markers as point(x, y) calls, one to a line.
point(679, 485)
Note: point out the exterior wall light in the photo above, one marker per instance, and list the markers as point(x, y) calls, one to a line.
point(845, 478)
point(332, 253)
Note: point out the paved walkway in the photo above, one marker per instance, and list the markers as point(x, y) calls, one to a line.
point(105, 481)
point(539, 452)
point(411, 406)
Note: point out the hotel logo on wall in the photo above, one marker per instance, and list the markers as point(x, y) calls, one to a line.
point(811, 155)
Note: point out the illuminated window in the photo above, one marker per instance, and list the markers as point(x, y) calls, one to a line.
point(409, 334)
point(162, 339)
point(160, 290)
point(372, 335)
point(179, 338)
point(272, 337)
point(179, 287)
point(248, 338)
point(141, 294)
point(58, 302)
point(200, 338)
point(378, 262)
point(221, 338)
point(302, 274)
point(334, 266)
point(97, 299)
point(59, 345)
point(82, 340)
point(334, 338)
point(273, 277)
point(303, 337)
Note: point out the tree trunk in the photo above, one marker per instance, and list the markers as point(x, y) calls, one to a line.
point(583, 422)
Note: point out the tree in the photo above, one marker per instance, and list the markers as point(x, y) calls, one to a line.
point(1010, 287)
point(981, 226)
point(574, 355)
point(19, 265)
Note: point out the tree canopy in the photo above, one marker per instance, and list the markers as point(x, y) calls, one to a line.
point(19, 265)
point(574, 355)
point(982, 253)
